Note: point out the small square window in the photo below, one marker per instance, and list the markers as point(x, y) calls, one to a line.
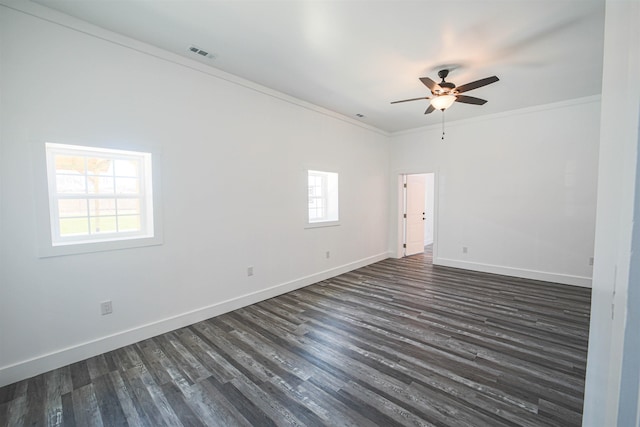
point(98, 195)
point(322, 197)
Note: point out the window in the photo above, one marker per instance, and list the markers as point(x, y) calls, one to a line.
point(323, 197)
point(98, 195)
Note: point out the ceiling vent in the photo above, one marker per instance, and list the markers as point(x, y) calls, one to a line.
point(203, 53)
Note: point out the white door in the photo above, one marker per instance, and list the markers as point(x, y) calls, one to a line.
point(415, 211)
point(429, 216)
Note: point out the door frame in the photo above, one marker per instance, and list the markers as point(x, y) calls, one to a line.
point(400, 208)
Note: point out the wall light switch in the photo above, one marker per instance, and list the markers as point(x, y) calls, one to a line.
point(106, 308)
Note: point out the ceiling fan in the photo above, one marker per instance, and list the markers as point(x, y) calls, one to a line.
point(446, 93)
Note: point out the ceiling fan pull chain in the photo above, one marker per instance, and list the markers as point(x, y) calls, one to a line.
point(443, 125)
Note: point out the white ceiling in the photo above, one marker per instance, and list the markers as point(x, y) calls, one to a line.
point(355, 56)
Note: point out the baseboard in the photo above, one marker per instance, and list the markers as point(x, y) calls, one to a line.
point(46, 362)
point(565, 279)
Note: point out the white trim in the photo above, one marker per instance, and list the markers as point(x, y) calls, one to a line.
point(566, 279)
point(47, 251)
point(144, 193)
point(65, 356)
point(503, 114)
point(44, 245)
point(330, 198)
point(75, 24)
point(401, 208)
point(321, 224)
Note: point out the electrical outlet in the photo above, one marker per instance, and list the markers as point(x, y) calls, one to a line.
point(327, 255)
point(249, 271)
point(106, 307)
point(465, 250)
point(591, 261)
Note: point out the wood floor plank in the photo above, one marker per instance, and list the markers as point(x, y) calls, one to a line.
point(128, 400)
point(181, 359)
point(108, 402)
point(97, 366)
point(8, 393)
point(36, 393)
point(398, 342)
point(158, 400)
point(245, 406)
point(4, 410)
point(142, 400)
point(80, 376)
point(68, 413)
point(56, 383)
point(288, 398)
point(337, 413)
point(85, 406)
point(210, 405)
point(16, 410)
point(183, 411)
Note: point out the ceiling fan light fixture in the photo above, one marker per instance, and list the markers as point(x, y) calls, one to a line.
point(442, 102)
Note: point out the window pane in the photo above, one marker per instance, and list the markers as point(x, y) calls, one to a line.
point(102, 207)
point(70, 184)
point(103, 224)
point(98, 193)
point(72, 207)
point(129, 223)
point(127, 185)
point(129, 168)
point(100, 184)
point(69, 164)
point(128, 206)
point(323, 196)
point(98, 166)
point(74, 226)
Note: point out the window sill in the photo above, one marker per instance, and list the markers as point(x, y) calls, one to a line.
point(85, 248)
point(322, 224)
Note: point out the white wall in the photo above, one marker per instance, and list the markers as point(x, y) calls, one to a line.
point(520, 185)
point(609, 400)
point(233, 160)
point(517, 189)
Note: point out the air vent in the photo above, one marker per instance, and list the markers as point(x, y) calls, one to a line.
point(198, 51)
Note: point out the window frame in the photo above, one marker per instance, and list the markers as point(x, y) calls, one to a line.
point(51, 243)
point(329, 197)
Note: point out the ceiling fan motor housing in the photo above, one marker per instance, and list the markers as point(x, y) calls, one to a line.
point(446, 88)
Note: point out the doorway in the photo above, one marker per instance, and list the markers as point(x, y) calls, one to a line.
point(418, 216)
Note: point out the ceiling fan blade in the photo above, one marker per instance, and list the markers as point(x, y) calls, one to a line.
point(470, 100)
point(430, 84)
point(412, 99)
point(477, 84)
point(431, 109)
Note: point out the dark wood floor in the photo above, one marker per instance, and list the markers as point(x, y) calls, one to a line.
point(396, 343)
